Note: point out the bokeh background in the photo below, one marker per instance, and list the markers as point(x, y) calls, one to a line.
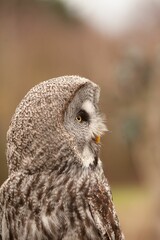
point(117, 45)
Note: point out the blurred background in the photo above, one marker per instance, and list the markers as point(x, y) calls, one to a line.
point(117, 45)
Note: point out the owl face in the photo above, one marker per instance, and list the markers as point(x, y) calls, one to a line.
point(55, 117)
point(84, 122)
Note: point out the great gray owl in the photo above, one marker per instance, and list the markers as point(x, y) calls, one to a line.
point(56, 188)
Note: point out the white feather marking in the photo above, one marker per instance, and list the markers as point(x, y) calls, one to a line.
point(45, 220)
point(97, 126)
point(4, 228)
point(50, 219)
point(34, 228)
point(88, 157)
point(88, 107)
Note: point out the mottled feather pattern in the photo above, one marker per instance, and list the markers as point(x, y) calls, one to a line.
point(51, 193)
point(47, 211)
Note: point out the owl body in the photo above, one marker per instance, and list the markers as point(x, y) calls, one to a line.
point(56, 187)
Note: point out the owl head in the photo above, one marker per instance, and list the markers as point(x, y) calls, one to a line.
point(57, 120)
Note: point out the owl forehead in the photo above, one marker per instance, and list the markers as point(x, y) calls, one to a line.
point(52, 97)
point(86, 98)
point(88, 107)
point(54, 94)
point(63, 89)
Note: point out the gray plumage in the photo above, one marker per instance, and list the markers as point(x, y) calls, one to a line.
point(56, 188)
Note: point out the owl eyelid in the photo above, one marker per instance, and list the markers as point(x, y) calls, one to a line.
point(82, 116)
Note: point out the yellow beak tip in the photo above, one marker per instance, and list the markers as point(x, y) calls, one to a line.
point(97, 139)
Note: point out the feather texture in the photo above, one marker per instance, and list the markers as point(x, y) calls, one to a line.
point(56, 188)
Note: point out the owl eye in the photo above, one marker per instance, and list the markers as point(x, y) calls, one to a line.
point(82, 116)
point(78, 118)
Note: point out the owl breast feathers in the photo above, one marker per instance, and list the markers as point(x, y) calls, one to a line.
point(56, 188)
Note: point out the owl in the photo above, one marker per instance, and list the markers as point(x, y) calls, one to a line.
point(56, 188)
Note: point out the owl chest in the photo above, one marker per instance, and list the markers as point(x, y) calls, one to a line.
point(36, 210)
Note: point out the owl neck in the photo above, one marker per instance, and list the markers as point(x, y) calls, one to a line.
point(63, 159)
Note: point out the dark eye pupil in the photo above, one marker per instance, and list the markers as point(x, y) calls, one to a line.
point(83, 115)
point(79, 118)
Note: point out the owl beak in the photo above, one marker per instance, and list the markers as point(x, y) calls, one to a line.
point(97, 139)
